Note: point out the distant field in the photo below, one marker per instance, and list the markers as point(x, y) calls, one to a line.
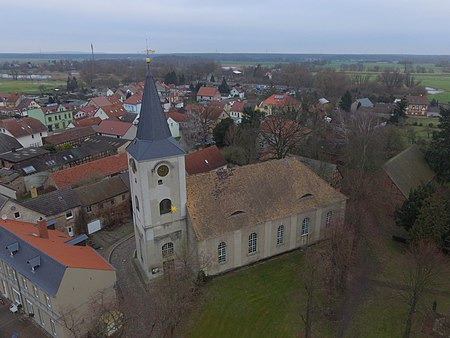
point(29, 87)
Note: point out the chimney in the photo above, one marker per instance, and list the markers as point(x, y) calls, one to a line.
point(42, 227)
point(34, 192)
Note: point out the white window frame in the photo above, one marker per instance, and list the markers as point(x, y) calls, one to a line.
point(167, 250)
point(222, 252)
point(252, 243)
point(36, 292)
point(24, 282)
point(48, 302)
point(69, 214)
point(17, 215)
point(53, 327)
point(30, 307)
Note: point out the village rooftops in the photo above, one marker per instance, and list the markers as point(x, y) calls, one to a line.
point(8, 143)
point(54, 202)
point(111, 127)
point(204, 160)
point(222, 201)
point(207, 91)
point(23, 126)
point(69, 135)
point(108, 166)
point(23, 154)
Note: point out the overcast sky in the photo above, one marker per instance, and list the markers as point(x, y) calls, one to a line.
point(208, 26)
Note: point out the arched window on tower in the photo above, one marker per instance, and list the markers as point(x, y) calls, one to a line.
point(305, 226)
point(167, 250)
point(222, 252)
point(165, 206)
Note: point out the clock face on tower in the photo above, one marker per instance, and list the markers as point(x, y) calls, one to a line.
point(162, 170)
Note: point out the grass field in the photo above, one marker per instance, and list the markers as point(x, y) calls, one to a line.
point(29, 87)
point(265, 300)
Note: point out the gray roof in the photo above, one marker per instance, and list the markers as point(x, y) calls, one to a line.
point(153, 138)
point(8, 143)
point(23, 154)
point(408, 170)
point(54, 202)
point(101, 191)
point(324, 170)
point(3, 200)
point(365, 102)
point(50, 272)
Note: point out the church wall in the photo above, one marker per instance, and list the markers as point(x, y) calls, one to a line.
point(237, 242)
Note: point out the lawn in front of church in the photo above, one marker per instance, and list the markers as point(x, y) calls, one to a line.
point(263, 300)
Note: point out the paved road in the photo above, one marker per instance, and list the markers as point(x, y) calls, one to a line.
point(134, 297)
point(20, 324)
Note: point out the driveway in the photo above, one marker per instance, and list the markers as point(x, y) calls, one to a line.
point(134, 297)
point(14, 323)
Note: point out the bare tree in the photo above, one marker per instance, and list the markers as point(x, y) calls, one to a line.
point(424, 266)
point(391, 79)
point(312, 279)
point(199, 125)
point(282, 134)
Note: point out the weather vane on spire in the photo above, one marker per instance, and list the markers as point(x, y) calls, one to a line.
point(148, 52)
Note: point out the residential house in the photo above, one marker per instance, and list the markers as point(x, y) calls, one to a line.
point(54, 116)
point(175, 121)
point(236, 111)
point(204, 160)
point(118, 129)
point(27, 104)
point(114, 112)
point(19, 159)
point(133, 103)
point(361, 103)
point(205, 94)
point(48, 274)
point(28, 131)
point(85, 122)
point(86, 111)
point(103, 101)
point(59, 207)
point(238, 92)
point(276, 102)
point(88, 172)
point(10, 100)
point(405, 172)
point(417, 105)
point(230, 217)
point(104, 203)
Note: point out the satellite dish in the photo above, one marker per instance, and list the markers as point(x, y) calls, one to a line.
point(4, 217)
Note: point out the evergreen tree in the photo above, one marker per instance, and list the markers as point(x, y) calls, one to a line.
point(181, 79)
point(399, 111)
point(171, 78)
point(438, 153)
point(69, 85)
point(220, 130)
point(346, 102)
point(406, 216)
point(223, 88)
point(74, 83)
point(212, 78)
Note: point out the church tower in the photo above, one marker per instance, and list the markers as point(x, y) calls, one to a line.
point(158, 186)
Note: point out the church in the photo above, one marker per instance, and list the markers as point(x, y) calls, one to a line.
point(229, 218)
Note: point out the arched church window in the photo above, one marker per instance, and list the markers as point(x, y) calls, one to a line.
point(167, 250)
point(328, 218)
point(165, 206)
point(280, 234)
point(305, 226)
point(222, 252)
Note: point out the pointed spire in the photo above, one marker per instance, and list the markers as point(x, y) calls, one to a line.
point(152, 120)
point(153, 139)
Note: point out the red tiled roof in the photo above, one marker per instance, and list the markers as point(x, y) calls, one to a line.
point(102, 101)
point(204, 160)
point(177, 117)
point(113, 127)
point(100, 168)
point(279, 100)
point(238, 106)
point(74, 256)
point(89, 110)
point(22, 127)
point(134, 99)
point(114, 111)
point(87, 121)
point(419, 100)
point(208, 91)
point(70, 135)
